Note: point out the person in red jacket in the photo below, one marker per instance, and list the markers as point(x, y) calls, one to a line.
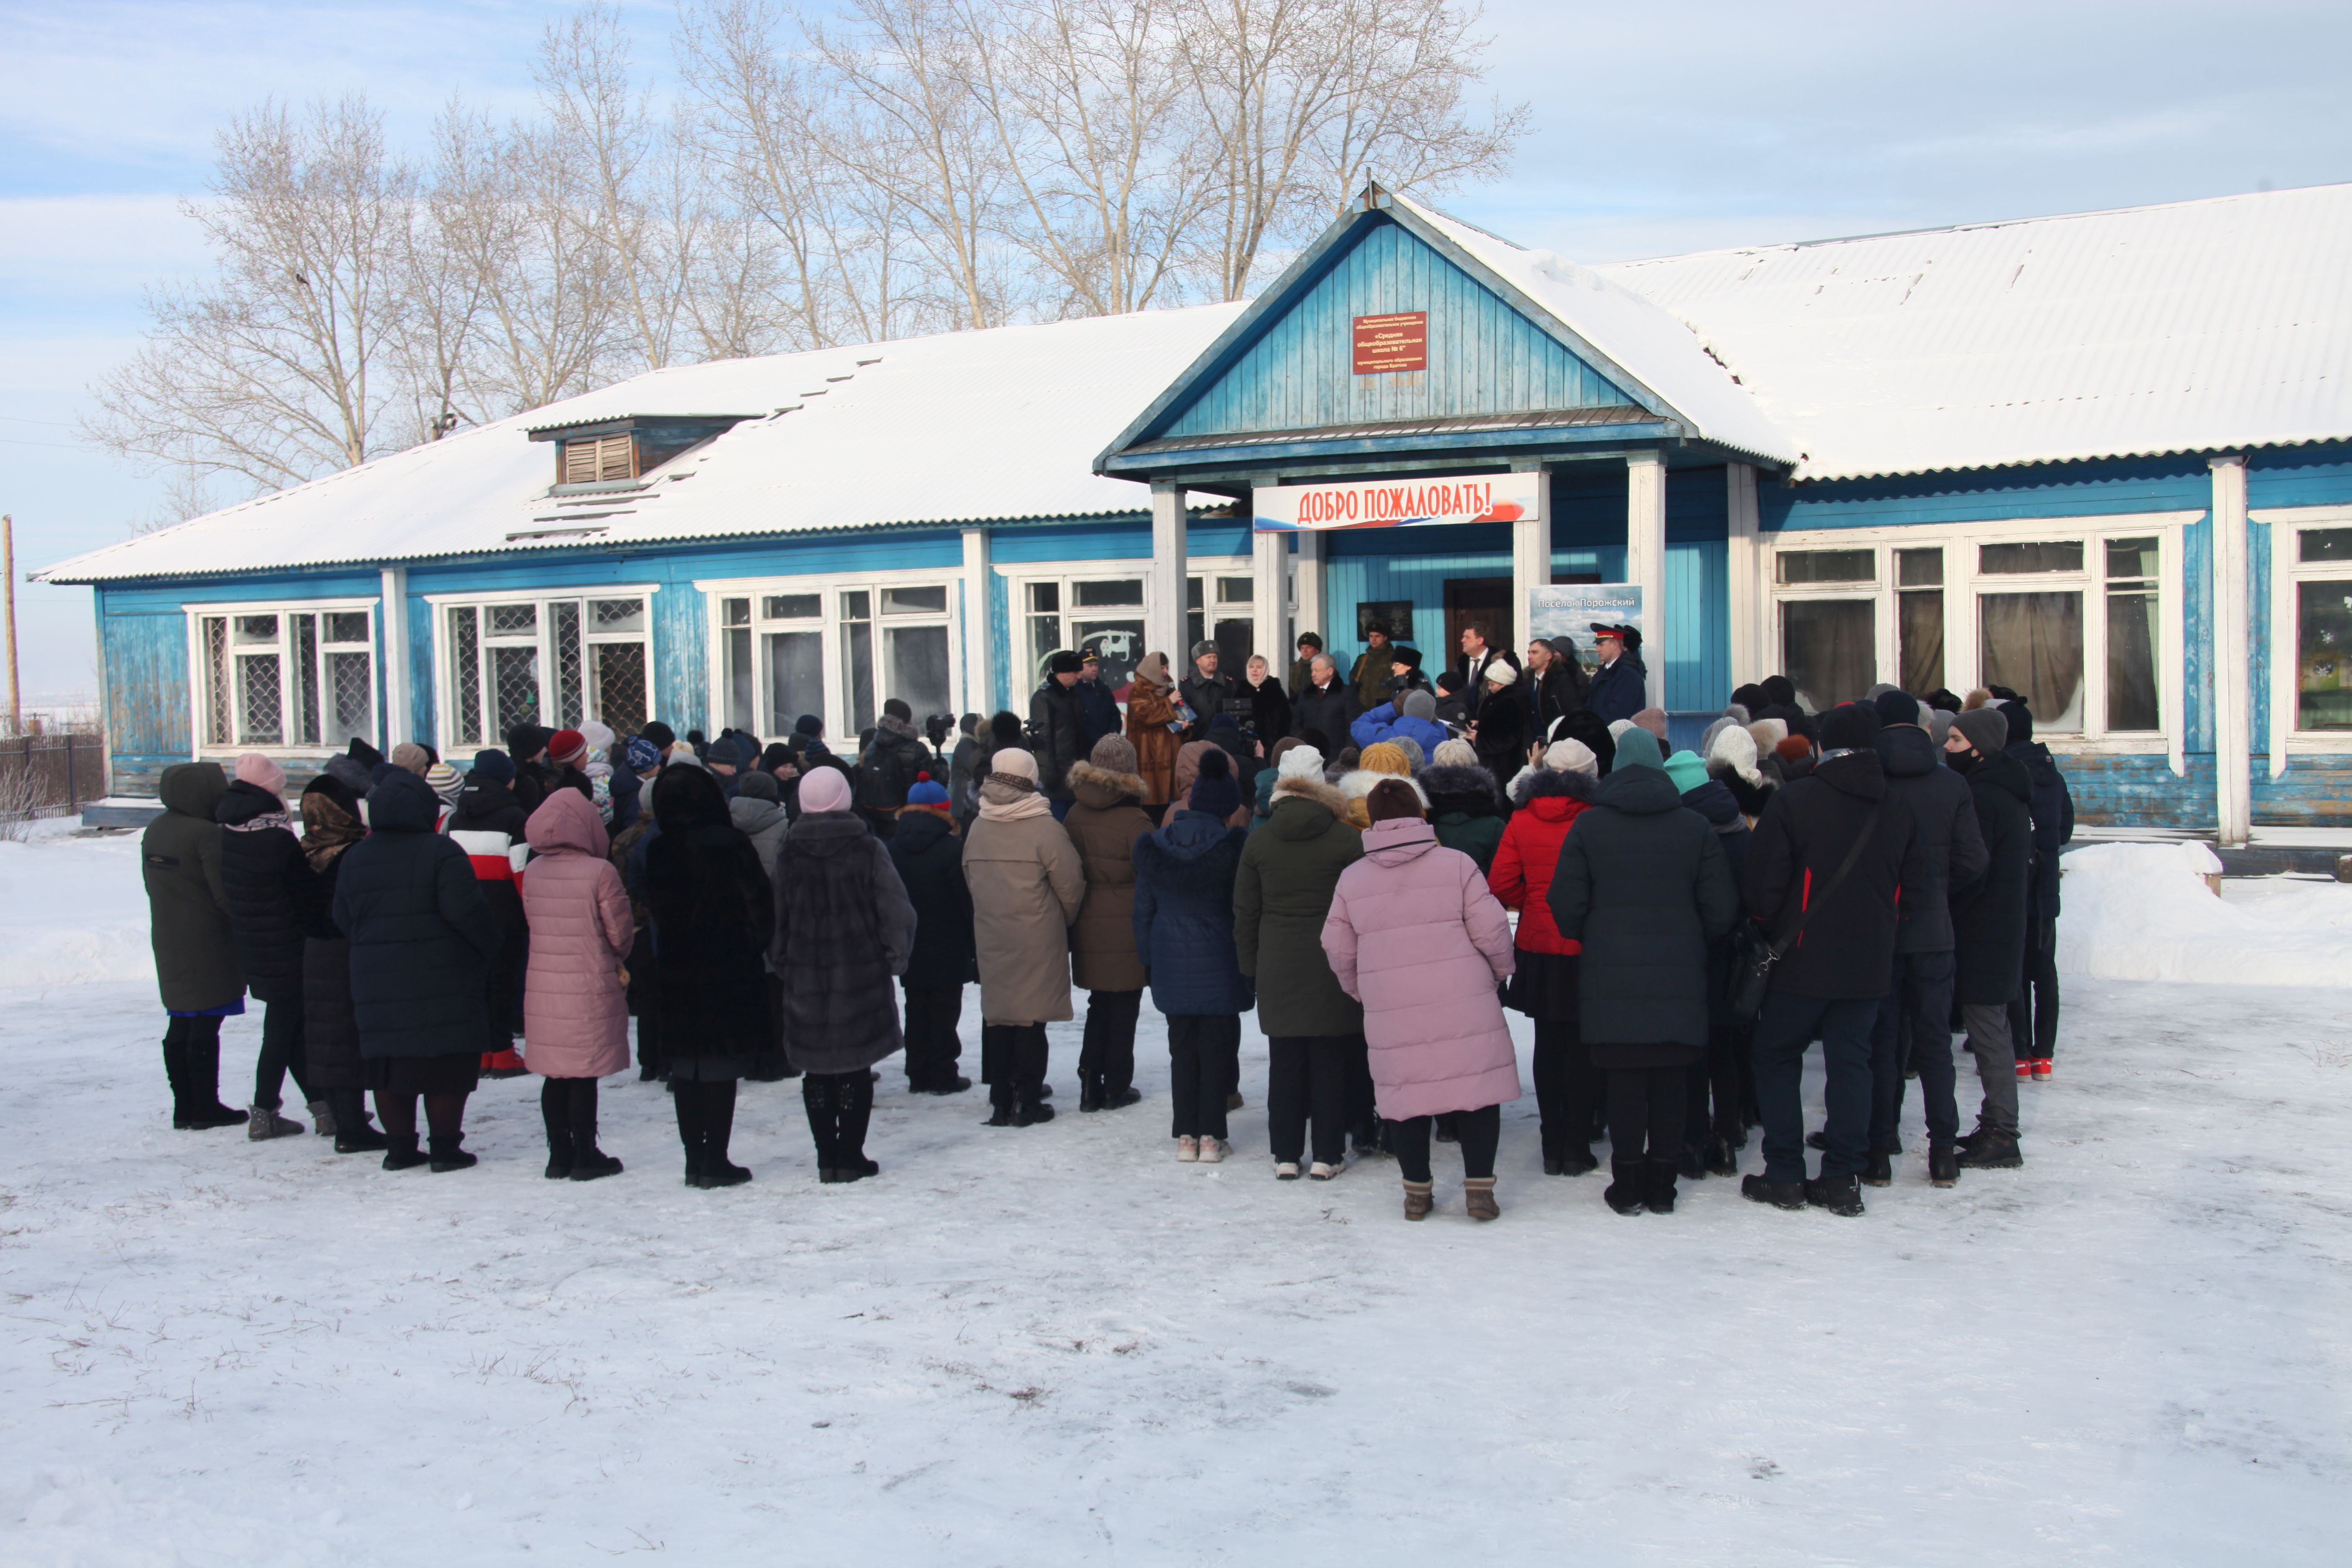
point(1549, 799)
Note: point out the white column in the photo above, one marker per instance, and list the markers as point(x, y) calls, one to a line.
point(1645, 559)
point(1312, 607)
point(2231, 644)
point(1270, 600)
point(978, 697)
point(1530, 562)
point(1749, 661)
point(1164, 584)
point(400, 715)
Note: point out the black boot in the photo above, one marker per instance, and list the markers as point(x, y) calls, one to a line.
point(1839, 1195)
point(588, 1161)
point(448, 1156)
point(718, 1127)
point(1658, 1188)
point(555, 1114)
point(818, 1096)
point(1878, 1171)
point(196, 1095)
point(1780, 1195)
point(686, 1098)
point(1722, 1158)
point(1627, 1189)
point(400, 1153)
point(1693, 1163)
point(1943, 1165)
point(1992, 1150)
point(1577, 1161)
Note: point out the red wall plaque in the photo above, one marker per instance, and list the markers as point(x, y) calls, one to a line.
point(1392, 343)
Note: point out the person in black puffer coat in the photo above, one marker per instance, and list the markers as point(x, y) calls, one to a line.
point(1991, 926)
point(1465, 808)
point(1184, 934)
point(1645, 885)
point(929, 858)
point(1715, 1126)
point(421, 936)
point(844, 930)
point(1915, 1022)
point(271, 893)
point(331, 1029)
point(2034, 1017)
point(1828, 985)
point(713, 914)
point(488, 823)
point(890, 766)
point(1057, 729)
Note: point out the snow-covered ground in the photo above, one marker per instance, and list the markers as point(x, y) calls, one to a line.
point(1056, 1345)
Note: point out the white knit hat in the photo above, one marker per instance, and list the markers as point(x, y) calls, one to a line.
point(1737, 748)
point(1015, 762)
point(1300, 763)
point(1572, 757)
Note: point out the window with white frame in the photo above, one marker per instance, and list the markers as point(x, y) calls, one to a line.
point(836, 649)
point(2073, 616)
point(2312, 571)
point(539, 660)
point(1099, 607)
point(285, 676)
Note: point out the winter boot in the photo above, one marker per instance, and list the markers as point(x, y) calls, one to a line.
point(1286, 1169)
point(1627, 1178)
point(1722, 1158)
point(1878, 1171)
point(1417, 1201)
point(322, 1119)
point(1658, 1190)
point(1943, 1165)
point(195, 1087)
point(1090, 1091)
point(400, 1153)
point(1478, 1198)
point(1992, 1150)
point(1120, 1098)
point(1323, 1170)
point(1780, 1195)
point(1692, 1163)
point(1031, 1111)
point(265, 1124)
point(1576, 1160)
point(554, 1112)
point(448, 1156)
point(1839, 1195)
point(359, 1139)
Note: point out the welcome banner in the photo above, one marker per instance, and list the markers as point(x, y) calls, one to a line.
point(1398, 503)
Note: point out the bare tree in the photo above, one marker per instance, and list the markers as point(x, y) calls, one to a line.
point(280, 367)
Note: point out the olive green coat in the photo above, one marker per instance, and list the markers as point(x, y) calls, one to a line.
point(1281, 898)
point(1103, 827)
point(180, 857)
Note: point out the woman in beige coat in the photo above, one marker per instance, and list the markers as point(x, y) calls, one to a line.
point(1103, 825)
point(1027, 885)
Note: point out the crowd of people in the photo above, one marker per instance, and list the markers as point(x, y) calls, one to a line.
point(1381, 865)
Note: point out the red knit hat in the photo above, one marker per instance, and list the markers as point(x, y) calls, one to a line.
point(566, 747)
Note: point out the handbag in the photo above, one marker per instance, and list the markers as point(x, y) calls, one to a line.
point(1752, 957)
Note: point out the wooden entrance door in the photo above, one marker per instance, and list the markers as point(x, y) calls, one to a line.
point(1487, 601)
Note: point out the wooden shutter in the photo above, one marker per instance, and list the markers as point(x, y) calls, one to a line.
point(600, 459)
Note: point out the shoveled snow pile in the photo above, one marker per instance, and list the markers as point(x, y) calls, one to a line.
point(2145, 911)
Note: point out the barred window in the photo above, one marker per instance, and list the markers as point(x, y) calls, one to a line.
point(286, 676)
point(556, 662)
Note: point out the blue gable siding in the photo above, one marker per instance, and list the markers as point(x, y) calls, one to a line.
point(2299, 475)
point(1483, 356)
point(143, 652)
point(2051, 489)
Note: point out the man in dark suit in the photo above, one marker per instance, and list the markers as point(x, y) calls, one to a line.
point(1477, 656)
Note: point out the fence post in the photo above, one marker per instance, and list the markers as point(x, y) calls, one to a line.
point(73, 798)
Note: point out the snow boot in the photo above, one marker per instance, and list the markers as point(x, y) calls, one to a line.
point(322, 1119)
point(1478, 1198)
point(1658, 1189)
point(594, 1164)
point(1992, 1150)
point(201, 1118)
point(1577, 1162)
point(1417, 1200)
point(1692, 1163)
point(1878, 1171)
point(195, 1074)
point(402, 1153)
point(361, 1139)
point(1722, 1159)
point(718, 1171)
point(1839, 1195)
point(1120, 1098)
point(1780, 1195)
point(265, 1124)
point(1817, 1139)
point(1943, 1165)
point(1627, 1179)
point(448, 1156)
point(857, 1170)
point(1031, 1113)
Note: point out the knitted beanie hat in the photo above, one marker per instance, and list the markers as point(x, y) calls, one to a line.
point(494, 765)
point(1418, 704)
point(567, 748)
point(445, 780)
point(1849, 727)
point(1572, 757)
point(1214, 791)
point(824, 789)
point(414, 758)
point(926, 793)
point(1687, 769)
point(1013, 762)
point(1112, 754)
point(1637, 747)
point(1301, 761)
point(1987, 729)
point(1385, 757)
point(254, 769)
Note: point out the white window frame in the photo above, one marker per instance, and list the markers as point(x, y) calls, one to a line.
point(828, 588)
point(1019, 575)
point(444, 671)
point(2288, 573)
point(200, 694)
point(1963, 582)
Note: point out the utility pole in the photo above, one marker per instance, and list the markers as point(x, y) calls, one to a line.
point(8, 568)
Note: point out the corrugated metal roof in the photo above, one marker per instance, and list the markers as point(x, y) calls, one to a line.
point(960, 427)
point(1545, 420)
point(2194, 326)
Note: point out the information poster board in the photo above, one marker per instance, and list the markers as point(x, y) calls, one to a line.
point(1571, 610)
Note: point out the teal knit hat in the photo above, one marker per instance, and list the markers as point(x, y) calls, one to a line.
point(1687, 769)
point(1637, 747)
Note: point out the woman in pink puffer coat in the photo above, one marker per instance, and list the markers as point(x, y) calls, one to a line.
point(575, 1010)
point(1414, 935)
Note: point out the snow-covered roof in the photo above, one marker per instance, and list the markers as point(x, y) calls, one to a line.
point(2192, 326)
point(1649, 343)
point(964, 427)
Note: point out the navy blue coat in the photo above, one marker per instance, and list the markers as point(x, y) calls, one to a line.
point(929, 859)
point(421, 935)
point(2053, 826)
point(1097, 709)
point(1185, 915)
point(1621, 690)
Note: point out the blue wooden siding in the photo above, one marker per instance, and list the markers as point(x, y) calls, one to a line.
point(2314, 791)
point(2050, 489)
point(2140, 791)
point(1483, 356)
point(144, 649)
point(2300, 476)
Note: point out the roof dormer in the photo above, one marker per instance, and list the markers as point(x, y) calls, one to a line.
point(618, 453)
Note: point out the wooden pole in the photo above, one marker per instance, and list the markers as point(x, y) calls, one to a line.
point(8, 567)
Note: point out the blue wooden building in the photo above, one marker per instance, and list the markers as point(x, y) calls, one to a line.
point(2104, 458)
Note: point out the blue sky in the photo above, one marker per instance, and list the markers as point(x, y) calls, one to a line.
point(1660, 127)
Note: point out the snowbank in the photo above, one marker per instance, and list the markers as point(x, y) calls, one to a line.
point(72, 912)
point(2143, 911)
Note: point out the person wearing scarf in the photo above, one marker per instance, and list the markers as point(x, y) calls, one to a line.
point(1027, 885)
point(331, 1030)
point(1155, 730)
